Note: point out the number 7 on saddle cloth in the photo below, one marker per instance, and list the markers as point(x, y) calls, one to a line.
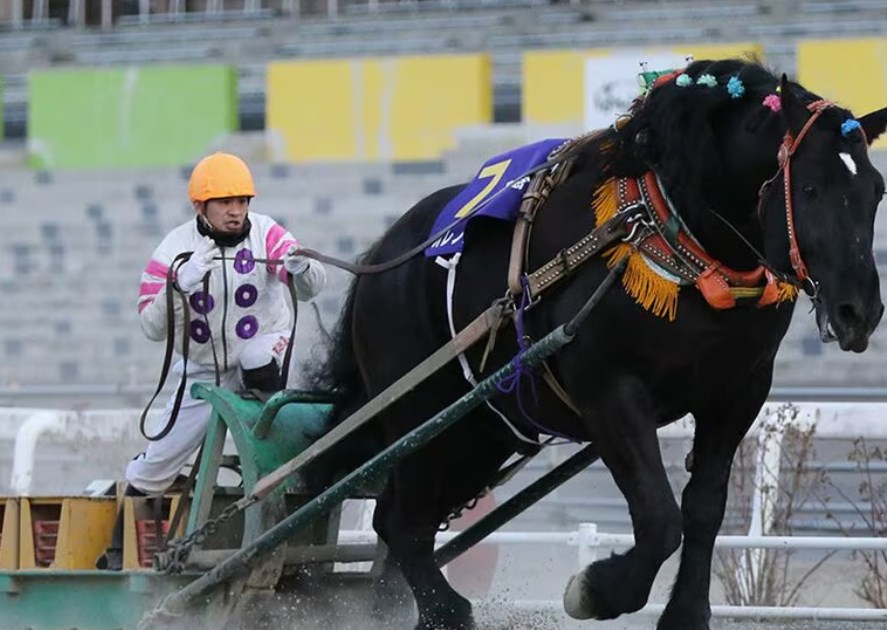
point(495, 192)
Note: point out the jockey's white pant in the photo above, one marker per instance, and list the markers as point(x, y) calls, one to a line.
point(156, 469)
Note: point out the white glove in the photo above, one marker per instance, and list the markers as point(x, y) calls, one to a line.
point(294, 263)
point(202, 261)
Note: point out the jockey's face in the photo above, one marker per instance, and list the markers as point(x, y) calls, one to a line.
point(226, 216)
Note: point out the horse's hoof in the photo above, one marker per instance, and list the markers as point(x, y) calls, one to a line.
point(578, 601)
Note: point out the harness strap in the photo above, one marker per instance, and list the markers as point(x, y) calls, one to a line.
point(451, 266)
point(537, 194)
point(562, 265)
point(558, 389)
point(568, 260)
point(681, 255)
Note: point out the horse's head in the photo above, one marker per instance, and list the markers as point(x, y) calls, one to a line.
point(819, 212)
point(716, 131)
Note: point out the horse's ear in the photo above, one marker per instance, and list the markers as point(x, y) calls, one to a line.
point(874, 124)
point(796, 113)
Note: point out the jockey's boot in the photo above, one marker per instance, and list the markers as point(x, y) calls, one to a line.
point(112, 559)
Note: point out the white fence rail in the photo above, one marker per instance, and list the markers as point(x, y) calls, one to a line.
point(832, 420)
point(589, 542)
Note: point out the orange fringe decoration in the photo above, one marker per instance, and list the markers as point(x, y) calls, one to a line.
point(787, 292)
point(649, 289)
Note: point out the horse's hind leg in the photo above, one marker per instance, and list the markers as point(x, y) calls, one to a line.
point(421, 493)
point(624, 429)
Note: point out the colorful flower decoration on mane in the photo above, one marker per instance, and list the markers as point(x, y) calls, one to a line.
point(735, 87)
point(707, 80)
point(773, 102)
point(684, 80)
point(849, 125)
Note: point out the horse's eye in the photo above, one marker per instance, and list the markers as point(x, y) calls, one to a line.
point(809, 190)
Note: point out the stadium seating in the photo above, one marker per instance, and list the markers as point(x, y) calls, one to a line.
point(72, 244)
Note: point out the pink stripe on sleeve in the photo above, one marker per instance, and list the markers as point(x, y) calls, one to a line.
point(282, 248)
point(150, 288)
point(273, 237)
point(143, 304)
point(156, 268)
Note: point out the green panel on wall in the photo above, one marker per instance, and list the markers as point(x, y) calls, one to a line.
point(157, 116)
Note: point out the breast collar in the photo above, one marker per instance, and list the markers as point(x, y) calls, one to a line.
point(668, 243)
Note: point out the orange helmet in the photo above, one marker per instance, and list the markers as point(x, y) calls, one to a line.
point(220, 175)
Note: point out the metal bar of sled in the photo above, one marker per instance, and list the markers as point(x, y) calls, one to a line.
point(468, 336)
point(240, 563)
point(208, 559)
point(517, 504)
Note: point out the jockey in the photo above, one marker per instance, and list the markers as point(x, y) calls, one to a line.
point(240, 326)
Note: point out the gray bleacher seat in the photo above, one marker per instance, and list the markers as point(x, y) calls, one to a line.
point(116, 56)
point(828, 28)
point(844, 6)
point(94, 324)
point(197, 17)
point(697, 11)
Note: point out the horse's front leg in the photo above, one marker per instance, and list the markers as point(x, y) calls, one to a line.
point(719, 430)
point(623, 425)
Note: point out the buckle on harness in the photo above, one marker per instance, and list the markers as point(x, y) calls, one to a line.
point(530, 299)
point(641, 226)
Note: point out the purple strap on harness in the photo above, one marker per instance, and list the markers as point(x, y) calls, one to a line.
point(512, 383)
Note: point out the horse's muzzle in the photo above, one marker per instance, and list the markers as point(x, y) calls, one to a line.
point(852, 323)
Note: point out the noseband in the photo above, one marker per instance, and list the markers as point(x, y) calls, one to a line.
point(787, 150)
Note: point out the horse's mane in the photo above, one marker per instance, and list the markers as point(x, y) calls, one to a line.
point(674, 129)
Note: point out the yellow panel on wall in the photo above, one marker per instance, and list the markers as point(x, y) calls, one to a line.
point(554, 84)
point(399, 108)
point(311, 108)
point(851, 72)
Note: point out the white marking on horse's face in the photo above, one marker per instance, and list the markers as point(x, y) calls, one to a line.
point(848, 162)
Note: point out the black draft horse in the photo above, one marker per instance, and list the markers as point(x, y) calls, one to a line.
point(713, 140)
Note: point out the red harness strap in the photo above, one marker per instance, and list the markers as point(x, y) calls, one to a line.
point(786, 152)
point(718, 283)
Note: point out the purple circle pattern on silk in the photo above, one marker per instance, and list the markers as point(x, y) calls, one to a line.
point(246, 295)
point(243, 261)
point(199, 331)
point(247, 327)
point(202, 302)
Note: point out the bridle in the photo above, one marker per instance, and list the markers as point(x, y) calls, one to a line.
point(784, 156)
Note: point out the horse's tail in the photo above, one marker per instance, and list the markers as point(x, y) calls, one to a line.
point(339, 373)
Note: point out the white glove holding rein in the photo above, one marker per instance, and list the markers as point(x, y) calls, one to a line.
point(202, 261)
point(294, 263)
